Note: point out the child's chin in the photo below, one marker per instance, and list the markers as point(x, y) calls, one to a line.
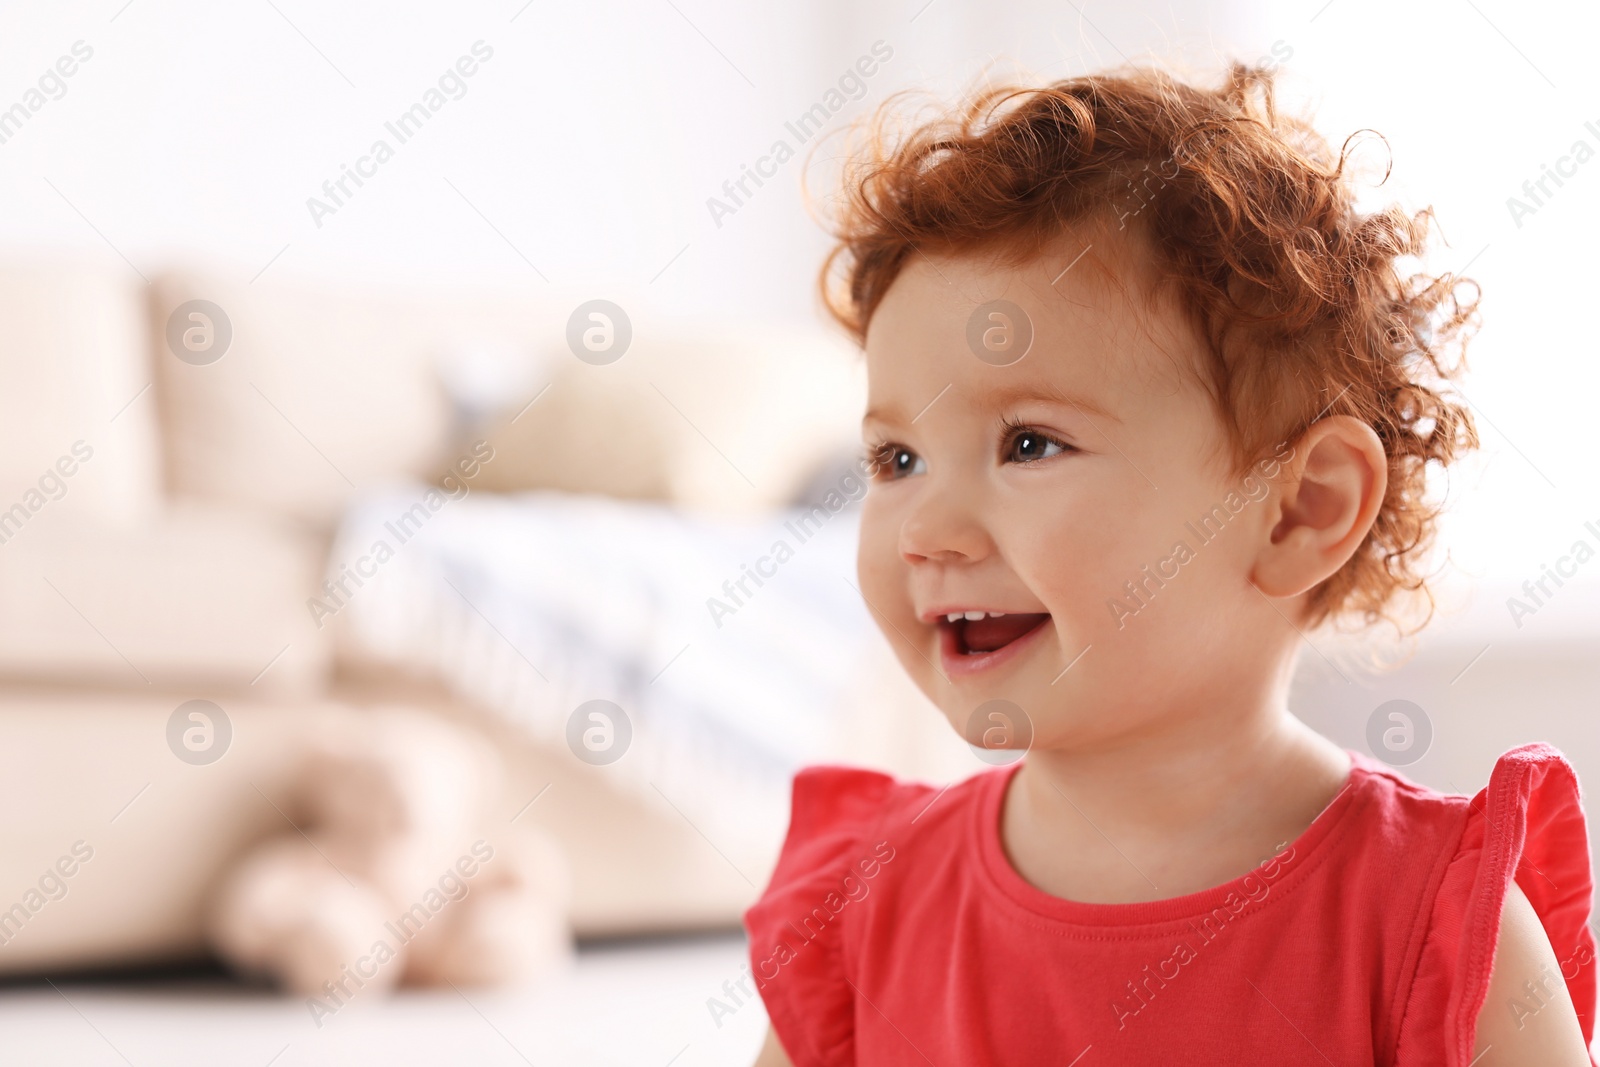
point(1028, 723)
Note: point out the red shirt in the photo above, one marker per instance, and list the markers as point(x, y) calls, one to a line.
point(895, 931)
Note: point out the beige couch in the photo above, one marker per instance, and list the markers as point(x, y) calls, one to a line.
point(163, 522)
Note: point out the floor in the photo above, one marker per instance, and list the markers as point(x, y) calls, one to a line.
point(637, 1004)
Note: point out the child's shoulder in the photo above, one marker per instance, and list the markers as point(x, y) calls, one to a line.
point(1532, 796)
point(836, 805)
point(847, 825)
point(1526, 828)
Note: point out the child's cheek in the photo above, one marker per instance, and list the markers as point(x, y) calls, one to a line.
point(883, 574)
point(885, 581)
point(1072, 554)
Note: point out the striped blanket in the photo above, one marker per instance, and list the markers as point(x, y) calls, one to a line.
point(728, 645)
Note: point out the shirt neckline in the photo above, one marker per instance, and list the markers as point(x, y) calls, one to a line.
point(1287, 866)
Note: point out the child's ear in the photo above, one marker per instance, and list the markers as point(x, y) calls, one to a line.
point(1327, 498)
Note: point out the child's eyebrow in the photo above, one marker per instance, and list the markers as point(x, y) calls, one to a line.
point(1049, 393)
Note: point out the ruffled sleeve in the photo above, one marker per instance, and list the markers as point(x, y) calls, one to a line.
point(1526, 825)
point(798, 927)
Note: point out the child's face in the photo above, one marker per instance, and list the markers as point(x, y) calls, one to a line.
point(1038, 489)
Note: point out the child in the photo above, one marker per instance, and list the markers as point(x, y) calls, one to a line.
point(1149, 400)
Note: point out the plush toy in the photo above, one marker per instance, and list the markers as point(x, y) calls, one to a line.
point(396, 870)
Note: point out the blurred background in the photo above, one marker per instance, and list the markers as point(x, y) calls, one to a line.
point(396, 399)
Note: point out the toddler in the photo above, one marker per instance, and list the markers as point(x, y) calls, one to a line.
point(1149, 401)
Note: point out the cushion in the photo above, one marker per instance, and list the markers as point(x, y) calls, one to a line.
point(306, 393)
point(701, 415)
point(77, 421)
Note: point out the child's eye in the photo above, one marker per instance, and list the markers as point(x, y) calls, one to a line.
point(891, 461)
point(1024, 445)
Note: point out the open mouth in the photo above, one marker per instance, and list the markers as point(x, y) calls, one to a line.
point(980, 637)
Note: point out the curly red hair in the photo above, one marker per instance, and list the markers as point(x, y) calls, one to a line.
point(1302, 301)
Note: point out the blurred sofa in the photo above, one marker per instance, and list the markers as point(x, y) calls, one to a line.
point(166, 514)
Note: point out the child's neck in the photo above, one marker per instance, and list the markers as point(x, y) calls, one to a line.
point(1171, 814)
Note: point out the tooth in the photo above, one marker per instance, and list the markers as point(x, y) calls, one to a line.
point(974, 616)
point(954, 616)
point(996, 614)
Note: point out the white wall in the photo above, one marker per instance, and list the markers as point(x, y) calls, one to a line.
point(591, 140)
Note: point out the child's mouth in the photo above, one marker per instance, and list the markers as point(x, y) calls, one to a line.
point(969, 645)
point(990, 634)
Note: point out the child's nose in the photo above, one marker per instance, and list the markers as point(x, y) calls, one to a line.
point(944, 528)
